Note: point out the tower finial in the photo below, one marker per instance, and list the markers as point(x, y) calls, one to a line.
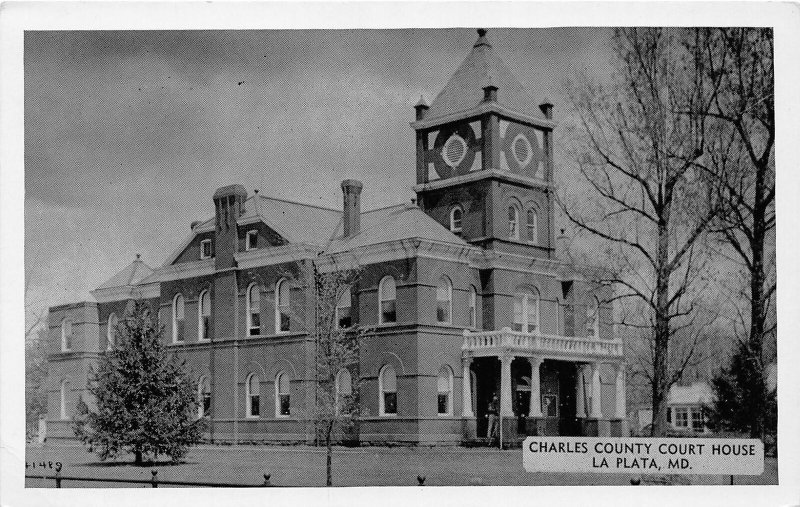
point(482, 40)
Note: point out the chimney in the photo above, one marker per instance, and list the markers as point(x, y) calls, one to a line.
point(351, 190)
point(229, 206)
point(547, 109)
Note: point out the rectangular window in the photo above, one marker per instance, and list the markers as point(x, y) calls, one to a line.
point(179, 325)
point(343, 318)
point(518, 316)
point(255, 323)
point(251, 242)
point(205, 249)
point(283, 401)
point(206, 328)
point(681, 417)
point(206, 403)
point(389, 403)
point(444, 403)
point(254, 407)
point(388, 311)
point(697, 419)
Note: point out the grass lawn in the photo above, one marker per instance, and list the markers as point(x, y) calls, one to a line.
point(364, 466)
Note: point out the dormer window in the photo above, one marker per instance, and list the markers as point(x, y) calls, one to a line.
point(251, 240)
point(456, 215)
point(205, 249)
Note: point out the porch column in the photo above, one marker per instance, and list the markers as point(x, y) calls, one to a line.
point(580, 396)
point(596, 412)
point(466, 387)
point(506, 409)
point(535, 409)
point(620, 392)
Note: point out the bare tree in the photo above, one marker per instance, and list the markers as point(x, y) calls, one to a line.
point(738, 69)
point(337, 342)
point(636, 147)
point(35, 359)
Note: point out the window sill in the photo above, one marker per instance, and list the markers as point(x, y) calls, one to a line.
point(387, 415)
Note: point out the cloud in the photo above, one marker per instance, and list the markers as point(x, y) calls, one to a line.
point(128, 134)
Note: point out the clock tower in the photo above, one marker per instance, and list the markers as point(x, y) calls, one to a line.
point(484, 158)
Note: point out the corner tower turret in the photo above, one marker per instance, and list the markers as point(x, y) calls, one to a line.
point(484, 157)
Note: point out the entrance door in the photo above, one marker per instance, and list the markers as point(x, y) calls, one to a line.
point(568, 424)
point(487, 375)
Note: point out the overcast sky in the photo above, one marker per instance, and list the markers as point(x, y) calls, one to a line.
point(128, 134)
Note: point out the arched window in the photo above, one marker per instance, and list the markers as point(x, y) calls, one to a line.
point(177, 319)
point(473, 307)
point(513, 222)
point(444, 300)
point(253, 390)
point(253, 310)
point(282, 306)
point(593, 318)
point(203, 397)
point(204, 316)
point(456, 214)
point(64, 394)
point(387, 294)
point(444, 388)
point(282, 397)
point(111, 331)
point(387, 386)
point(532, 226)
point(66, 335)
point(344, 388)
point(526, 311)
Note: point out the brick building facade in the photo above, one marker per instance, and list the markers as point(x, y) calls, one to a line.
point(462, 292)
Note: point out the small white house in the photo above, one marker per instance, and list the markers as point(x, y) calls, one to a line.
point(685, 407)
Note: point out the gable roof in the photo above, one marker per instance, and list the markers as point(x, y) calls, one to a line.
point(296, 222)
point(395, 223)
point(464, 90)
point(133, 274)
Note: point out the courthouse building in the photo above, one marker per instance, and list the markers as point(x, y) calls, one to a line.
point(461, 291)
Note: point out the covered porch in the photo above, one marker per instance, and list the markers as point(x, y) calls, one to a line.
point(546, 384)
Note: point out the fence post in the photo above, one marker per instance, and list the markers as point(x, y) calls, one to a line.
point(266, 480)
point(154, 480)
point(58, 476)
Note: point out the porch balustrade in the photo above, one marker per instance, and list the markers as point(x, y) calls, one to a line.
point(490, 343)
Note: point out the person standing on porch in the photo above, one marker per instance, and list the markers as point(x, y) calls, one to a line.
point(492, 412)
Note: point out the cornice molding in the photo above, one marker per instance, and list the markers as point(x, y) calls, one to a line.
point(483, 175)
point(276, 255)
point(480, 109)
point(144, 291)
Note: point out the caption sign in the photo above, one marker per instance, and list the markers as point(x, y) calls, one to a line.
point(715, 456)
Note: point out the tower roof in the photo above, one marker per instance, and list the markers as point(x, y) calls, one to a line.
point(482, 67)
point(133, 273)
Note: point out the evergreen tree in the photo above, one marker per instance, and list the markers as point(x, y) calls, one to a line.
point(736, 386)
point(144, 401)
